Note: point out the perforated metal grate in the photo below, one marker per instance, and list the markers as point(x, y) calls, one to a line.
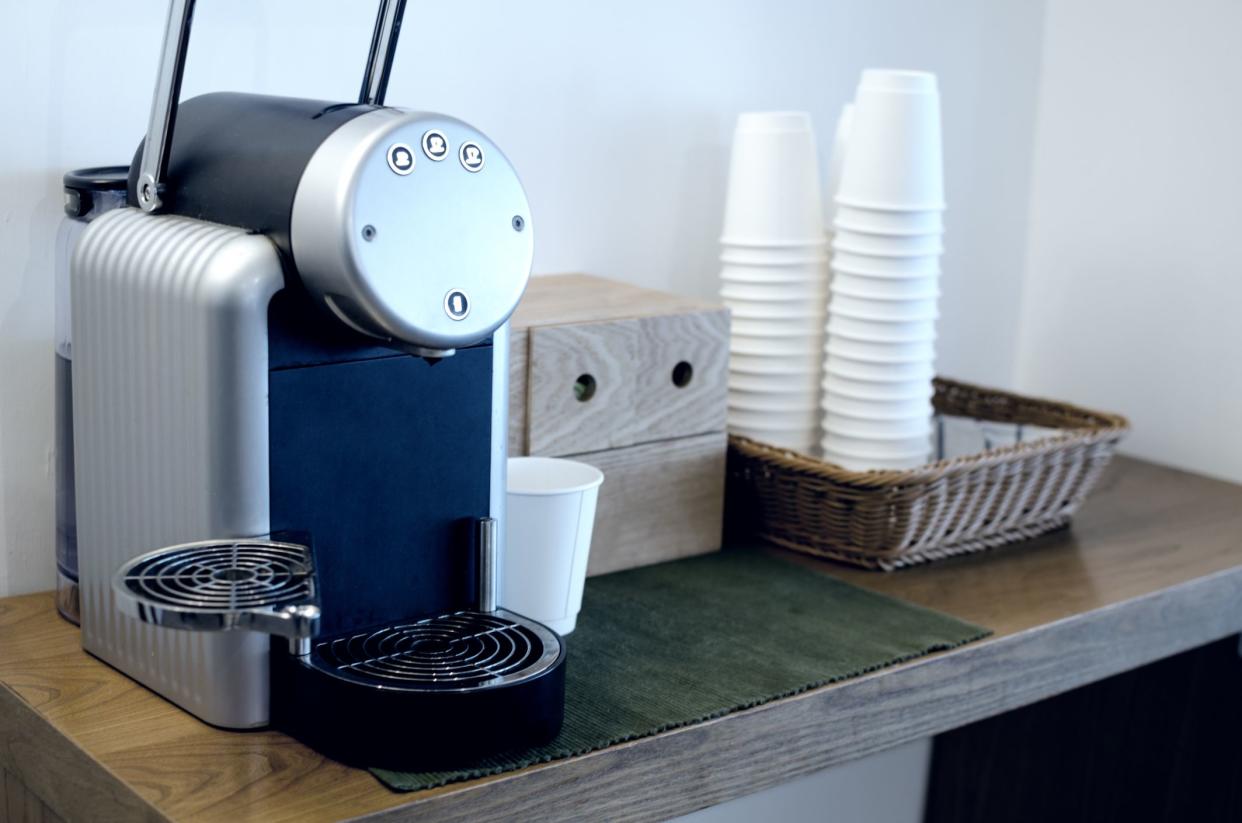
point(226, 576)
point(462, 650)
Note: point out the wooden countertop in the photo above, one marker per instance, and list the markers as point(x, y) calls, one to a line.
point(1151, 567)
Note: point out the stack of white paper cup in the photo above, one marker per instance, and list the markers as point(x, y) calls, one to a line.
point(774, 278)
point(882, 311)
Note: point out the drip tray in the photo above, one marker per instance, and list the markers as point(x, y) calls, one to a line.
point(436, 693)
point(454, 652)
point(218, 585)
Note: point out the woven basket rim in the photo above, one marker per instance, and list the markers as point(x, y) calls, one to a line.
point(1109, 427)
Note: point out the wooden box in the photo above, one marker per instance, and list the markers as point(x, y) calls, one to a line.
point(633, 381)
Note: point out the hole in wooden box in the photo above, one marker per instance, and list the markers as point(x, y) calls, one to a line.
point(683, 373)
point(584, 387)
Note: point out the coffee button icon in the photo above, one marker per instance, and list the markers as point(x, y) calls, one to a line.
point(471, 156)
point(435, 145)
point(400, 159)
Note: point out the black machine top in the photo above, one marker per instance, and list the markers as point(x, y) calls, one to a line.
point(237, 158)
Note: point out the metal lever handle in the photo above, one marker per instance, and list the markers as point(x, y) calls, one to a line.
point(383, 48)
point(155, 151)
point(153, 168)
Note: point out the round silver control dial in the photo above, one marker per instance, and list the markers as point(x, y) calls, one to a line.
point(448, 251)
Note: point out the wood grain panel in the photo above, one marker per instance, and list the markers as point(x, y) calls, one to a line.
point(519, 342)
point(660, 501)
point(40, 763)
point(635, 400)
point(1152, 567)
point(662, 410)
point(557, 422)
point(20, 805)
point(581, 298)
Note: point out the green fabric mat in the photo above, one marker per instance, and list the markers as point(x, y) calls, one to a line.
point(679, 643)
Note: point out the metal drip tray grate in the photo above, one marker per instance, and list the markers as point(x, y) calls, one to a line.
point(453, 652)
point(223, 584)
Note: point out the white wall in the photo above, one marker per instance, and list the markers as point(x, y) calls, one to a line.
point(618, 116)
point(1134, 277)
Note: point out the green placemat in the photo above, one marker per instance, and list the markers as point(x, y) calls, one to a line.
point(683, 642)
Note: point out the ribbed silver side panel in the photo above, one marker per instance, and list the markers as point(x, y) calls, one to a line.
point(170, 435)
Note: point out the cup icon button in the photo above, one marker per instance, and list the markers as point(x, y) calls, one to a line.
point(435, 145)
point(400, 159)
point(471, 156)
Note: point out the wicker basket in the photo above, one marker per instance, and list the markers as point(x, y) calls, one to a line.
point(890, 519)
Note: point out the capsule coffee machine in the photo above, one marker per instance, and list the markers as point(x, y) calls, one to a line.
point(290, 417)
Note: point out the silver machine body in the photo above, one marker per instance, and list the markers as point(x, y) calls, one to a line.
point(170, 374)
point(171, 428)
point(170, 436)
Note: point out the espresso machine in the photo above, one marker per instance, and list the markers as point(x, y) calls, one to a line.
point(290, 408)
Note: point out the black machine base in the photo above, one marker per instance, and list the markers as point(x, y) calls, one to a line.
point(431, 694)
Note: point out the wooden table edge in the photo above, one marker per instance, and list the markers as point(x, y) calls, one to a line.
point(59, 772)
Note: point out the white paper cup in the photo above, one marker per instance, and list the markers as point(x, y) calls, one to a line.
point(894, 160)
point(836, 160)
point(873, 390)
point(916, 422)
point(815, 271)
point(550, 513)
point(809, 363)
point(886, 288)
point(777, 309)
point(808, 383)
point(811, 289)
point(834, 441)
point(879, 221)
point(761, 255)
point(871, 372)
point(795, 400)
point(806, 327)
point(882, 309)
point(891, 267)
point(862, 463)
point(876, 410)
point(802, 441)
point(773, 195)
point(907, 331)
point(776, 346)
point(888, 245)
point(919, 351)
point(763, 420)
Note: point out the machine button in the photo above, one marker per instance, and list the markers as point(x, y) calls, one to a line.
point(435, 145)
point(456, 304)
point(471, 156)
point(400, 159)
